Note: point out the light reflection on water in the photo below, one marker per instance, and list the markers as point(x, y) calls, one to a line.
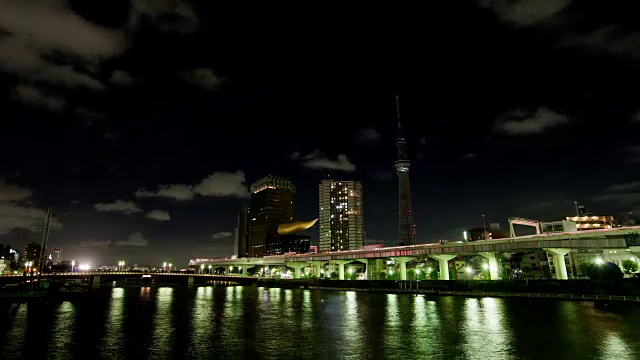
point(484, 324)
point(15, 338)
point(202, 323)
point(250, 322)
point(351, 330)
point(113, 336)
point(63, 334)
point(163, 324)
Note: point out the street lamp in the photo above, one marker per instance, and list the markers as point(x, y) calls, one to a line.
point(469, 270)
point(202, 269)
point(209, 269)
point(485, 266)
point(73, 264)
point(599, 261)
point(164, 266)
point(170, 267)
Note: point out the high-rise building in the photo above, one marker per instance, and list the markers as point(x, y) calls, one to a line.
point(406, 228)
point(32, 252)
point(56, 256)
point(240, 244)
point(273, 202)
point(341, 215)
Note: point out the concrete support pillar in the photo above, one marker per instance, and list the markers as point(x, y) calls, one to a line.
point(341, 264)
point(373, 269)
point(297, 267)
point(402, 269)
point(443, 261)
point(244, 270)
point(190, 281)
point(318, 266)
point(366, 267)
point(494, 270)
point(558, 262)
point(95, 282)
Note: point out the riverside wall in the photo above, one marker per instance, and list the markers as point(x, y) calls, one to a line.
point(622, 287)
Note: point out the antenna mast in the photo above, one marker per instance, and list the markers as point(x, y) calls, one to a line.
point(406, 228)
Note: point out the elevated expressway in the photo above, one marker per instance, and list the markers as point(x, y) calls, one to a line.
point(556, 244)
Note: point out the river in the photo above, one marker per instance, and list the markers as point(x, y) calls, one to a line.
point(271, 323)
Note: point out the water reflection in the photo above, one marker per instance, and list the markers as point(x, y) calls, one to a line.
point(113, 337)
point(351, 330)
point(63, 334)
point(614, 347)
point(201, 323)
point(18, 333)
point(494, 319)
point(483, 324)
point(231, 328)
point(426, 327)
point(162, 324)
point(254, 323)
point(391, 325)
point(145, 293)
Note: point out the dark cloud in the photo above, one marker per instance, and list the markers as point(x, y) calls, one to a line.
point(218, 184)
point(222, 235)
point(316, 160)
point(522, 123)
point(121, 206)
point(135, 239)
point(158, 215)
point(367, 135)
point(526, 12)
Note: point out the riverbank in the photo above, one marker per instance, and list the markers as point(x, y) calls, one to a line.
point(626, 290)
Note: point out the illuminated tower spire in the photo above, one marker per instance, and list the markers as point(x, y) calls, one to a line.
point(406, 228)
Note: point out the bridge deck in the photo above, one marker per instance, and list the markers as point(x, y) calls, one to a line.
point(592, 239)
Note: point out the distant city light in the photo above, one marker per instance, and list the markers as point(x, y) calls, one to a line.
point(84, 267)
point(599, 261)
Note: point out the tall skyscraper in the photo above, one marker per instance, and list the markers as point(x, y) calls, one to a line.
point(341, 215)
point(406, 228)
point(273, 202)
point(240, 244)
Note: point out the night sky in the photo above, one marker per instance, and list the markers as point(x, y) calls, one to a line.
point(142, 125)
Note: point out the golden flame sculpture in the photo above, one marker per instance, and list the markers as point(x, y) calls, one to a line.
point(295, 227)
